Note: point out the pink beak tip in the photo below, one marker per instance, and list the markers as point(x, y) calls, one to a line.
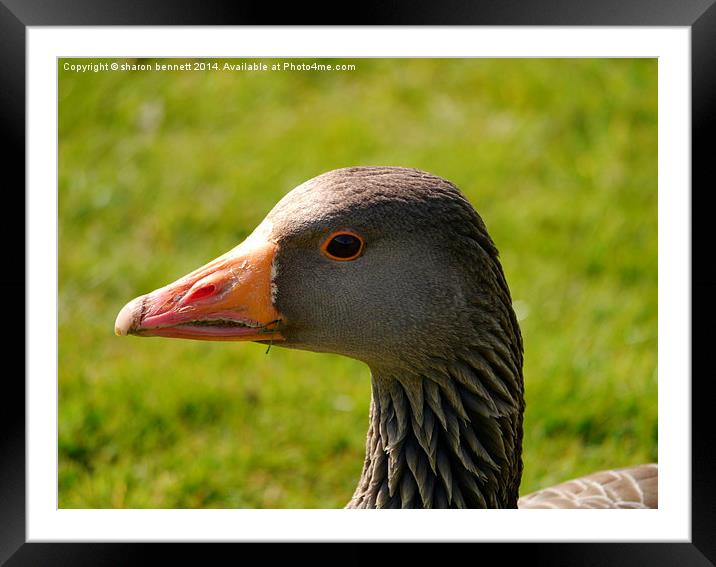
point(126, 318)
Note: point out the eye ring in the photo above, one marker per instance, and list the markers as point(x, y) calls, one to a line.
point(343, 246)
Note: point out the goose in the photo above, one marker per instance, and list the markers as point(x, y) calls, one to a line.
point(393, 267)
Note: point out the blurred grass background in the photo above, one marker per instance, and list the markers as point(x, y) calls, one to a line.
point(160, 172)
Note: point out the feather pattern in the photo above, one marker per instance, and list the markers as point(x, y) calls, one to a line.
point(457, 450)
point(633, 487)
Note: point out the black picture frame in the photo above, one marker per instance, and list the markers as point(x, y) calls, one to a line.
point(698, 15)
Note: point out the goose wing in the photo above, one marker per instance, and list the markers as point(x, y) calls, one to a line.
point(633, 487)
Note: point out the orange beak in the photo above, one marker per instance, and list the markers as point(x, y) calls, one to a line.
point(229, 299)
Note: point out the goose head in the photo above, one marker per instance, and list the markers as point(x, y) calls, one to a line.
point(384, 264)
point(393, 267)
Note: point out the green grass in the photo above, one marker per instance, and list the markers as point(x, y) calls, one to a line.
point(161, 172)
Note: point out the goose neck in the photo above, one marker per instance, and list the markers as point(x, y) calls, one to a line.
point(445, 436)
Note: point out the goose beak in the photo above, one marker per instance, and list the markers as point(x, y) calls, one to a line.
point(228, 299)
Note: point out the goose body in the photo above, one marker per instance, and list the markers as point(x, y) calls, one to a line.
point(393, 267)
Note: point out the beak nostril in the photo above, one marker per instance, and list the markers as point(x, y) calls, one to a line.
point(200, 293)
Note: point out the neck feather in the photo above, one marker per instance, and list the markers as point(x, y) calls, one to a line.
point(448, 436)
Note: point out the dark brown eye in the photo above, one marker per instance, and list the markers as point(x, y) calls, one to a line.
point(343, 245)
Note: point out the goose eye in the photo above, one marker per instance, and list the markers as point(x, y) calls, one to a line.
point(343, 246)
